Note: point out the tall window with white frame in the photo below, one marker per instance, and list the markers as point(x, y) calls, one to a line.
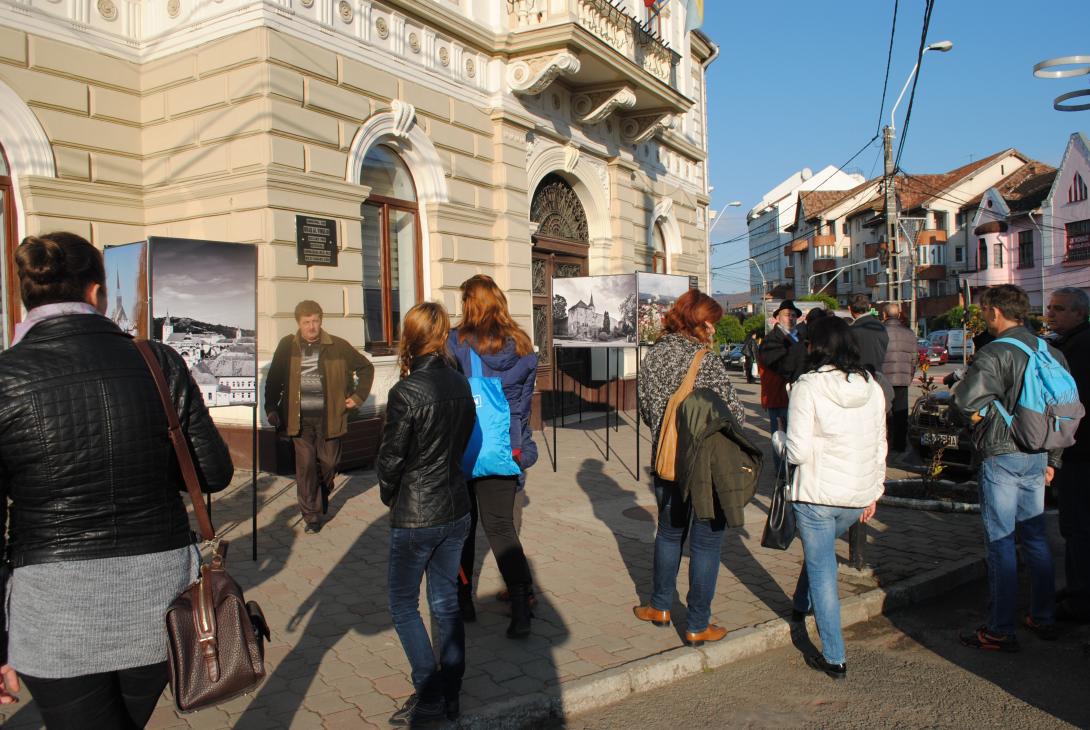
point(9, 302)
point(392, 266)
point(658, 253)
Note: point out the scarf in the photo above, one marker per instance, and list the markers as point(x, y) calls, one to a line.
point(47, 312)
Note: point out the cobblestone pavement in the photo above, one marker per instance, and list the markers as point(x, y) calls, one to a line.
point(588, 530)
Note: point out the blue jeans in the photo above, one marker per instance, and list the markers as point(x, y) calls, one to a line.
point(1012, 501)
point(438, 551)
point(676, 522)
point(819, 526)
point(777, 421)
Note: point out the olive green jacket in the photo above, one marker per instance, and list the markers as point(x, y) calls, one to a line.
point(715, 462)
point(345, 372)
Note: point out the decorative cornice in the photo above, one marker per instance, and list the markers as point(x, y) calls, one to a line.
point(571, 158)
point(595, 106)
point(529, 76)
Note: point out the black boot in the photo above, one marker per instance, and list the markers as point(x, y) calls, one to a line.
point(520, 612)
point(465, 602)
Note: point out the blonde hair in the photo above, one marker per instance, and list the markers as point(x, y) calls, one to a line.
point(487, 320)
point(424, 331)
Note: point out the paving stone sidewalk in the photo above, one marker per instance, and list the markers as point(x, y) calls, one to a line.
point(588, 530)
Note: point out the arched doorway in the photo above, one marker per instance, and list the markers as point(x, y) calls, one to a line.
point(9, 302)
point(560, 247)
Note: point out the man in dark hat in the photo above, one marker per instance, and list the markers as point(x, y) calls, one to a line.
point(782, 361)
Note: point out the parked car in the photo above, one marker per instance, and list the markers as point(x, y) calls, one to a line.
point(954, 341)
point(936, 354)
point(935, 423)
point(733, 358)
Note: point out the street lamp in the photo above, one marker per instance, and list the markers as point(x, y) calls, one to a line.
point(731, 204)
point(891, 201)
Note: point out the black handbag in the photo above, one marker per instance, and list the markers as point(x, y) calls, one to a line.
point(780, 527)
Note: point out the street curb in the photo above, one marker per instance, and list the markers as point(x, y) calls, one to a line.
point(613, 685)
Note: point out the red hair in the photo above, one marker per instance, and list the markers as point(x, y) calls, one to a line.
point(689, 313)
point(487, 320)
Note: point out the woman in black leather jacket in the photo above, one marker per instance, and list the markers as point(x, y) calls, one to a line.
point(98, 542)
point(429, 419)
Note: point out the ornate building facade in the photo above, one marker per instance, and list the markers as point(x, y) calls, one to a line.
point(525, 139)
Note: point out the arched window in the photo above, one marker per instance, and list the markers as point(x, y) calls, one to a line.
point(9, 302)
point(658, 253)
point(392, 281)
point(1077, 192)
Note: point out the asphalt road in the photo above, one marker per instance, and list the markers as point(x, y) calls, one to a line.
point(905, 670)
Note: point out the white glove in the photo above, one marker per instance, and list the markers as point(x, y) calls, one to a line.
point(779, 444)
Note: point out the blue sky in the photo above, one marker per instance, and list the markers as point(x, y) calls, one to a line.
point(798, 84)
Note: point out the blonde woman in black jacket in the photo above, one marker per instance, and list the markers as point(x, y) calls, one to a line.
point(429, 419)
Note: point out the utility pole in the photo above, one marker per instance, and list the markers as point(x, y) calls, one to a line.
point(892, 274)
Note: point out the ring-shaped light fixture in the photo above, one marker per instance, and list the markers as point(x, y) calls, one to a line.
point(1059, 105)
point(1082, 64)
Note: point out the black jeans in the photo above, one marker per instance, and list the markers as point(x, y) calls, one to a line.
point(493, 498)
point(107, 701)
point(897, 423)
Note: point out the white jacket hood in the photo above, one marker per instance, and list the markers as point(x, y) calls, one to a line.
point(852, 391)
point(836, 435)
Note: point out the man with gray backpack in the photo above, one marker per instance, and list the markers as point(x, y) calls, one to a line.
point(1024, 407)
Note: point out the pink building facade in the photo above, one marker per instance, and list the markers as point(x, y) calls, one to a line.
point(1066, 220)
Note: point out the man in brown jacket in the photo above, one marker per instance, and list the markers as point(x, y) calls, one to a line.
point(313, 380)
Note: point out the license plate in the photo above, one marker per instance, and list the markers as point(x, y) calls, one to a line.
point(939, 439)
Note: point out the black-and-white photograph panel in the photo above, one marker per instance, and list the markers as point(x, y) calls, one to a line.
point(204, 307)
point(127, 287)
point(657, 293)
point(594, 311)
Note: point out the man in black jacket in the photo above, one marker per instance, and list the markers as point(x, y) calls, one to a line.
point(749, 356)
point(1012, 481)
point(870, 336)
point(1067, 314)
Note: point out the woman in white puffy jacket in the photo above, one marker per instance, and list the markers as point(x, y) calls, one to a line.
point(836, 437)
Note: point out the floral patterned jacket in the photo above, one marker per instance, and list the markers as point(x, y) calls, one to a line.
point(663, 369)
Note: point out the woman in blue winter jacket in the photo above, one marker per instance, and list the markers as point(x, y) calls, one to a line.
point(506, 352)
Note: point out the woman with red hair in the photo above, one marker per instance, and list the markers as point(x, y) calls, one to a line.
point(688, 328)
point(488, 331)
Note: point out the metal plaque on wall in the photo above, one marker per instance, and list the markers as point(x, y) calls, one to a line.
point(316, 241)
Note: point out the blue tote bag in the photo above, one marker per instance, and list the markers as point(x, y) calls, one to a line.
point(488, 453)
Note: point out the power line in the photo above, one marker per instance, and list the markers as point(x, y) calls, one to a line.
point(916, 79)
point(889, 59)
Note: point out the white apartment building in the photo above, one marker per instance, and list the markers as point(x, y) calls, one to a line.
point(769, 220)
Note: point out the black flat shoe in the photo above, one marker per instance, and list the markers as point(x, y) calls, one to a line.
point(836, 671)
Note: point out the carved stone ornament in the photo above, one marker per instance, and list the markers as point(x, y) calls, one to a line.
point(174, 8)
point(571, 158)
point(594, 107)
point(471, 68)
point(642, 127)
point(529, 76)
point(414, 42)
point(382, 28)
point(444, 56)
point(557, 211)
point(307, 3)
point(404, 118)
point(107, 9)
point(344, 9)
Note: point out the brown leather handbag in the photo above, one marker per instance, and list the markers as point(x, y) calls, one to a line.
point(666, 456)
point(214, 636)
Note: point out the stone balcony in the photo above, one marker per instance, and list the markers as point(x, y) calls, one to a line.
point(789, 273)
point(823, 265)
point(871, 280)
point(870, 250)
point(610, 61)
point(797, 246)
